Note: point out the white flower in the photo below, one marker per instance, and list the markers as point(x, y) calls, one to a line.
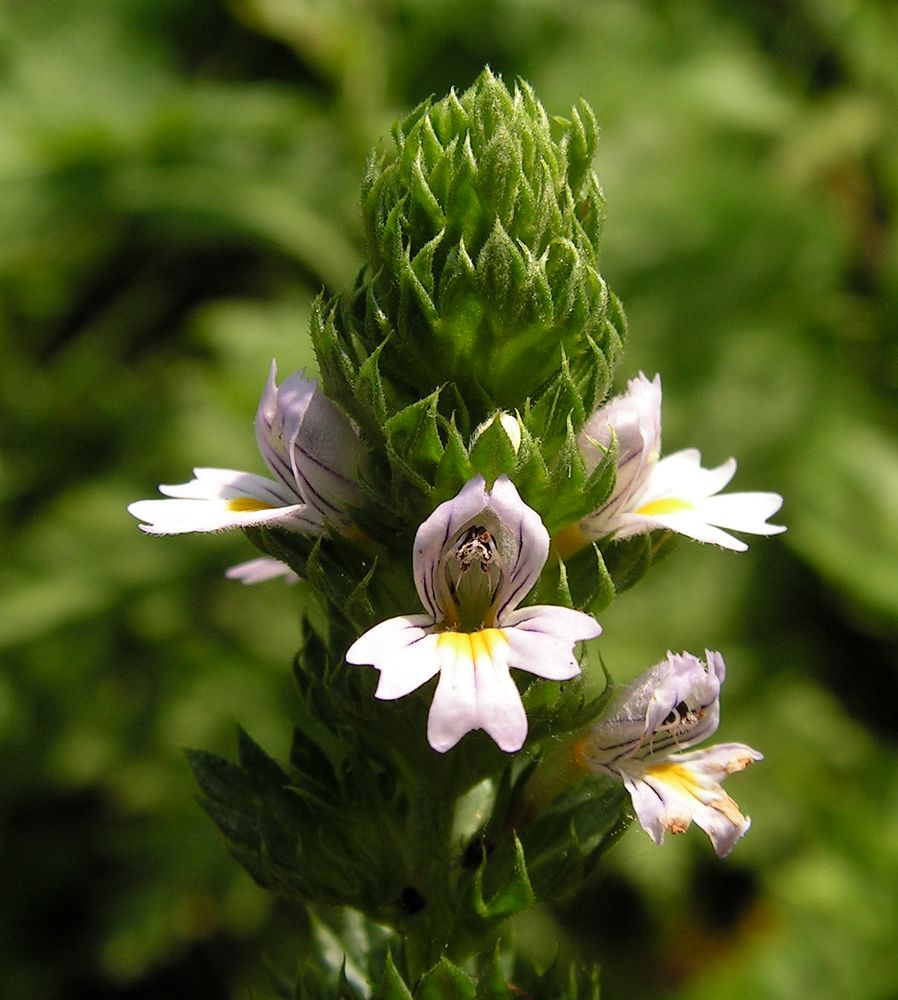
point(260, 570)
point(475, 559)
point(508, 422)
point(312, 452)
point(668, 709)
point(652, 492)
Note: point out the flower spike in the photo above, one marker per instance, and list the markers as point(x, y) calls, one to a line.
point(668, 709)
point(653, 493)
point(475, 559)
point(314, 456)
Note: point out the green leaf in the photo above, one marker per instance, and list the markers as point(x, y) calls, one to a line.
point(566, 840)
point(557, 411)
point(414, 442)
point(446, 981)
point(492, 983)
point(628, 561)
point(455, 468)
point(492, 453)
point(561, 981)
point(580, 143)
point(512, 896)
point(501, 269)
point(369, 390)
point(391, 985)
point(590, 586)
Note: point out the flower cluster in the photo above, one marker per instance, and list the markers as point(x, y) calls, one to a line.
point(475, 560)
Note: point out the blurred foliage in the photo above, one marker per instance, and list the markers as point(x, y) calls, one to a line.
point(177, 181)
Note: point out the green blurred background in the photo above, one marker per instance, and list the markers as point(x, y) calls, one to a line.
point(178, 179)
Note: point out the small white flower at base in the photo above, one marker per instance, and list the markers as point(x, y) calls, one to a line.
point(668, 709)
point(475, 559)
point(261, 570)
point(314, 456)
point(653, 493)
point(509, 423)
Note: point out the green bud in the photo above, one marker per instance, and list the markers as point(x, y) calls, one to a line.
point(483, 224)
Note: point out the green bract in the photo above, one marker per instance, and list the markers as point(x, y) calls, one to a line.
point(483, 224)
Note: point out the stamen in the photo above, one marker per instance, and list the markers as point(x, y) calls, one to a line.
point(473, 594)
point(679, 722)
point(676, 714)
point(476, 545)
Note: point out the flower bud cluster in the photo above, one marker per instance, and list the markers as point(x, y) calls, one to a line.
point(483, 226)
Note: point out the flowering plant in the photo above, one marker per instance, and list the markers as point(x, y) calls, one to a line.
point(458, 456)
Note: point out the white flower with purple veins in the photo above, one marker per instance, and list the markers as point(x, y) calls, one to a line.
point(668, 709)
point(653, 492)
point(312, 452)
point(475, 559)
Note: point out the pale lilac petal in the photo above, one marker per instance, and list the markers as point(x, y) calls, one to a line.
point(650, 808)
point(261, 570)
point(671, 706)
point(689, 785)
point(680, 496)
point(716, 665)
point(310, 445)
point(176, 517)
point(403, 649)
point(723, 823)
point(562, 623)
point(500, 710)
point(684, 680)
point(720, 760)
point(541, 640)
point(388, 638)
point(684, 522)
point(324, 449)
point(526, 546)
point(743, 512)
point(228, 484)
point(224, 498)
point(681, 475)
point(634, 419)
point(454, 711)
point(269, 436)
point(476, 692)
point(434, 535)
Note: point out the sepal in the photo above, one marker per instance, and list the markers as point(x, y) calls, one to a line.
point(511, 895)
point(414, 445)
point(342, 572)
point(628, 561)
point(391, 985)
point(564, 843)
point(561, 981)
point(492, 452)
point(446, 981)
point(590, 585)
